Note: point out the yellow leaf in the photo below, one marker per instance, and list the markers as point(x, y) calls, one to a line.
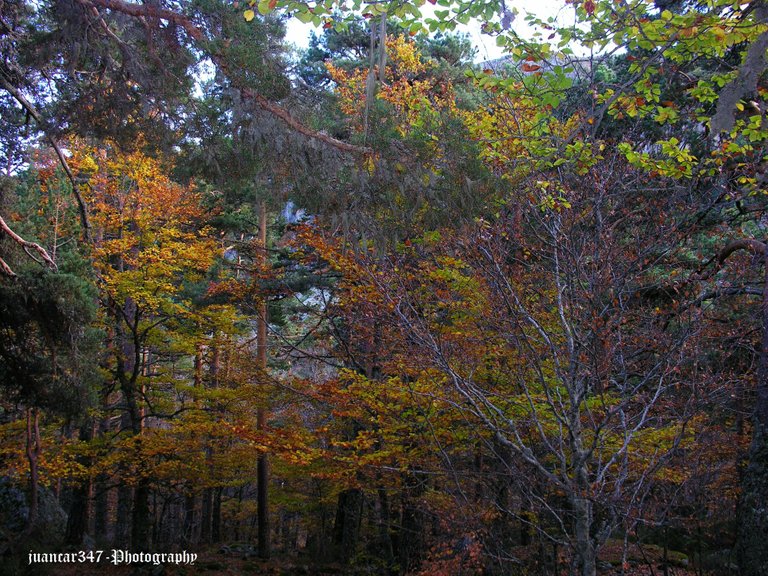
point(249, 15)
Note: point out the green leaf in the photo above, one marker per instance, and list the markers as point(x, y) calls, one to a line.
point(304, 17)
point(264, 8)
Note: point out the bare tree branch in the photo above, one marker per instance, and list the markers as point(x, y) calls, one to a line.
point(750, 245)
point(30, 108)
point(27, 245)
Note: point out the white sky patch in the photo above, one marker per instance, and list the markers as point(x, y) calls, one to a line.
point(297, 33)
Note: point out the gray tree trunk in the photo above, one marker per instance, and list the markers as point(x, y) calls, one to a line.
point(585, 559)
point(752, 531)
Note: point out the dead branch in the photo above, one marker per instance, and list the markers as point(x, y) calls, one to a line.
point(27, 245)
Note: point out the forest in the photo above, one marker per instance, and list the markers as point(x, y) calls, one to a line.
point(377, 306)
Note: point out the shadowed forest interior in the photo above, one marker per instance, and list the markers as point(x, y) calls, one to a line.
point(375, 306)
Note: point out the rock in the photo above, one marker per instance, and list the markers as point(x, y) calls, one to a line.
point(13, 507)
point(51, 524)
point(88, 542)
point(720, 562)
point(51, 517)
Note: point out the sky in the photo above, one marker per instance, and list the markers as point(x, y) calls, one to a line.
point(298, 33)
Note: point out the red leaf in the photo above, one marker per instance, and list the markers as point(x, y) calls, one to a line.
point(589, 6)
point(530, 67)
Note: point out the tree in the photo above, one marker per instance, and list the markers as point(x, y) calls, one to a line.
point(753, 522)
point(542, 161)
point(534, 323)
point(45, 321)
point(558, 367)
point(150, 243)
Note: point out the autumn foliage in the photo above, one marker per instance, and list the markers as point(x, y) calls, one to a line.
point(520, 331)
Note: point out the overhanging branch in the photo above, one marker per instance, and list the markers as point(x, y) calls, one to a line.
point(30, 108)
point(198, 36)
point(26, 245)
point(746, 81)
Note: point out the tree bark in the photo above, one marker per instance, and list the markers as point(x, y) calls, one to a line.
point(205, 516)
point(188, 532)
point(585, 558)
point(140, 518)
point(752, 532)
point(80, 507)
point(33, 456)
point(262, 466)
point(216, 516)
point(411, 536)
point(346, 529)
point(100, 510)
point(123, 519)
point(387, 550)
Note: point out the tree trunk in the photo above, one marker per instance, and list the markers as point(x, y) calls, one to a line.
point(262, 466)
point(140, 519)
point(585, 558)
point(387, 550)
point(752, 532)
point(205, 516)
point(101, 510)
point(346, 529)
point(188, 532)
point(123, 519)
point(80, 507)
point(33, 456)
point(128, 369)
point(216, 516)
point(411, 536)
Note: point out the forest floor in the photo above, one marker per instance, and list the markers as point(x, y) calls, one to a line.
point(214, 564)
point(208, 564)
point(645, 561)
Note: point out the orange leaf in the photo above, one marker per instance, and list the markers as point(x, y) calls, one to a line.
point(530, 67)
